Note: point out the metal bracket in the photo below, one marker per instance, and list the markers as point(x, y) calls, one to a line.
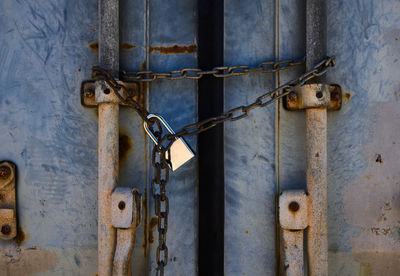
point(293, 218)
point(94, 92)
point(8, 206)
point(293, 210)
point(314, 95)
point(126, 207)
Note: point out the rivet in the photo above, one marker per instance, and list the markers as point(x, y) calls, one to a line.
point(5, 172)
point(6, 229)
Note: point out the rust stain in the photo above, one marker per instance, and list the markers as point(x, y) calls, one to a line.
point(143, 65)
point(246, 232)
point(144, 205)
point(126, 46)
point(125, 145)
point(174, 49)
point(94, 46)
point(153, 223)
point(96, 112)
point(123, 46)
point(347, 96)
point(20, 238)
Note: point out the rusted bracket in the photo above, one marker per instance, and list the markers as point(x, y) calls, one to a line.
point(94, 92)
point(314, 95)
point(8, 205)
point(126, 210)
point(293, 219)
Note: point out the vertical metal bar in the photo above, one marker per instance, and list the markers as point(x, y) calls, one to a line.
point(316, 152)
point(108, 135)
point(293, 248)
point(123, 251)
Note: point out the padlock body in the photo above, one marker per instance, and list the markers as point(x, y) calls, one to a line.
point(178, 154)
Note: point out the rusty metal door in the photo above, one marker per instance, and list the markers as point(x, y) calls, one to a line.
point(48, 47)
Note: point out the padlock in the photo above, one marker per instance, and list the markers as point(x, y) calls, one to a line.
point(179, 152)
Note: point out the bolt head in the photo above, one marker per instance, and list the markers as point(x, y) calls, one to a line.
point(5, 172)
point(89, 93)
point(6, 229)
point(292, 96)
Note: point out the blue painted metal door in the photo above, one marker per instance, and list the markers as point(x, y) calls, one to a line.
point(47, 49)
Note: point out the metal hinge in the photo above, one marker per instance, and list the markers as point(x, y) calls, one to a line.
point(314, 95)
point(8, 206)
point(91, 98)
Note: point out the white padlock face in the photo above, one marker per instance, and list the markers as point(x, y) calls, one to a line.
point(179, 153)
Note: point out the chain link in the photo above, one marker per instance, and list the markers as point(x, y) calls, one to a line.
point(218, 72)
point(161, 208)
point(241, 112)
point(159, 160)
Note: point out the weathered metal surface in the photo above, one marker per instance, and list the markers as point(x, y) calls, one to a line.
point(314, 95)
point(88, 94)
point(108, 179)
point(293, 219)
point(123, 251)
point(363, 37)
point(316, 146)
point(52, 140)
point(8, 204)
point(293, 210)
point(108, 143)
point(249, 143)
point(126, 214)
point(47, 133)
point(175, 22)
point(316, 166)
point(123, 210)
point(292, 242)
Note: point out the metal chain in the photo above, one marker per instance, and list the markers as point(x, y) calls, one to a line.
point(241, 112)
point(160, 180)
point(218, 72)
point(161, 208)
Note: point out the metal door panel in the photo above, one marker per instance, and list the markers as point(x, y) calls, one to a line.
point(363, 160)
point(174, 22)
point(249, 143)
point(51, 138)
point(362, 191)
point(47, 50)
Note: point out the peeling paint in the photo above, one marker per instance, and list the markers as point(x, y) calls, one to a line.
point(174, 49)
point(15, 261)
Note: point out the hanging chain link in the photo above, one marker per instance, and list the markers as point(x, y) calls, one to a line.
point(160, 164)
point(218, 72)
point(161, 208)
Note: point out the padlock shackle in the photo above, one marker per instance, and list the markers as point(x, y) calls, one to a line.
point(162, 120)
